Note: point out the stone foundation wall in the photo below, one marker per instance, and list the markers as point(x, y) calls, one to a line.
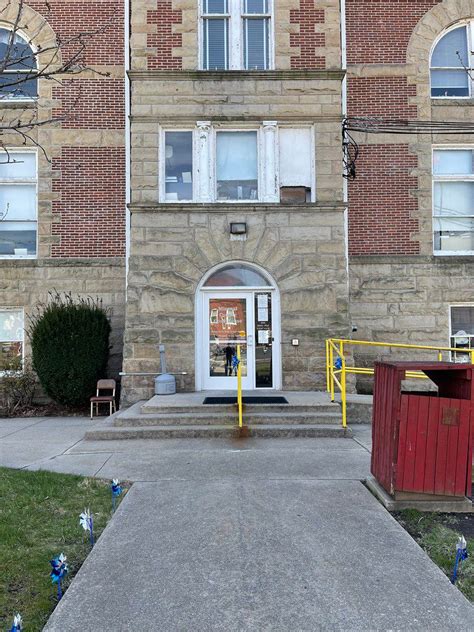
point(406, 300)
point(26, 283)
point(172, 249)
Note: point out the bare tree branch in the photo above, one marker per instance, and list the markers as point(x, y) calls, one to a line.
point(24, 62)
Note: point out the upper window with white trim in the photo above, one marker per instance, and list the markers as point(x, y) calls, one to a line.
point(452, 63)
point(18, 67)
point(236, 34)
point(18, 204)
point(453, 201)
point(11, 339)
point(269, 163)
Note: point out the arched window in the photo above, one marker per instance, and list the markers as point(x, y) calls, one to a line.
point(18, 67)
point(452, 63)
point(237, 275)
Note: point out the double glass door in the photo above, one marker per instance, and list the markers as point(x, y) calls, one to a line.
point(232, 319)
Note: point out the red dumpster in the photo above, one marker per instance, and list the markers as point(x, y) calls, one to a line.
point(422, 442)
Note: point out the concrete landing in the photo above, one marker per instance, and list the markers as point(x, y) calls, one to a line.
point(256, 555)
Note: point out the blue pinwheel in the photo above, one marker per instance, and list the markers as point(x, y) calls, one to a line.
point(235, 363)
point(116, 489)
point(59, 570)
point(461, 555)
point(87, 523)
point(17, 623)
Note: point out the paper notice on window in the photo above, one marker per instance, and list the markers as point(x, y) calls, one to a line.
point(262, 314)
point(263, 336)
point(262, 300)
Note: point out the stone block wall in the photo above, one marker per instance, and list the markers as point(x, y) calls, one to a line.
point(173, 247)
point(406, 299)
point(26, 283)
point(183, 98)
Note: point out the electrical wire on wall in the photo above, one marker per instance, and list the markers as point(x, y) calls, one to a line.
point(373, 125)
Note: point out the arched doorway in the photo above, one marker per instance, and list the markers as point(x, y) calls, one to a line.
point(237, 303)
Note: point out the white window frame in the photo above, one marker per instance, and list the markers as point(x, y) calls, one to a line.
point(22, 312)
point(263, 160)
point(230, 318)
point(23, 181)
point(162, 162)
point(6, 100)
point(470, 336)
point(215, 130)
point(470, 51)
point(448, 178)
point(236, 17)
point(313, 174)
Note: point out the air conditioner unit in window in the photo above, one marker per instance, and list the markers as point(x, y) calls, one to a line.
point(295, 195)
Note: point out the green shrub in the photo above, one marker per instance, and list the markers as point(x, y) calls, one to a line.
point(70, 347)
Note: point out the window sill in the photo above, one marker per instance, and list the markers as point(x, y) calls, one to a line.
point(17, 257)
point(453, 254)
point(452, 101)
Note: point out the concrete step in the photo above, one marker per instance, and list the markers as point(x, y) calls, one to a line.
point(212, 418)
point(148, 409)
point(109, 432)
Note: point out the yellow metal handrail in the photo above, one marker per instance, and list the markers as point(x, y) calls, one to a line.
point(239, 386)
point(337, 368)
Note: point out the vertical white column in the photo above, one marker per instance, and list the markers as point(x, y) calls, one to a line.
point(270, 163)
point(204, 193)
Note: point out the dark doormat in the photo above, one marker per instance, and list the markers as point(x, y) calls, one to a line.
point(246, 400)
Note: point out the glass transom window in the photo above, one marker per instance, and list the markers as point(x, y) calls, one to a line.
point(452, 63)
point(235, 34)
point(237, 275)
point(18, 204)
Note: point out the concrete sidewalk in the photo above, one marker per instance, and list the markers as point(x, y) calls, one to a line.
point(255, 555)
point(239, 535)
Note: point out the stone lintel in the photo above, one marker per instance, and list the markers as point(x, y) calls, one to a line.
point(338, 206)
point(187, 119)
point(234, 75)
point(409, 259)
point(60, 262)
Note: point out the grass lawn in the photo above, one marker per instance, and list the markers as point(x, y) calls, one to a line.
point(39, 518)
point(437, 534)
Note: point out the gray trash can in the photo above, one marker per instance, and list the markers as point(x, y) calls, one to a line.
point(165, 384)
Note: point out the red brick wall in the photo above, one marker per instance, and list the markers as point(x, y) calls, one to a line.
point(385, 97)
point(378, 31)
point(307, 16)
point(164, 40)
point(89, 182)
point(89, 214)
point(67, 19)
point(91, 103)
point(381, 202)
